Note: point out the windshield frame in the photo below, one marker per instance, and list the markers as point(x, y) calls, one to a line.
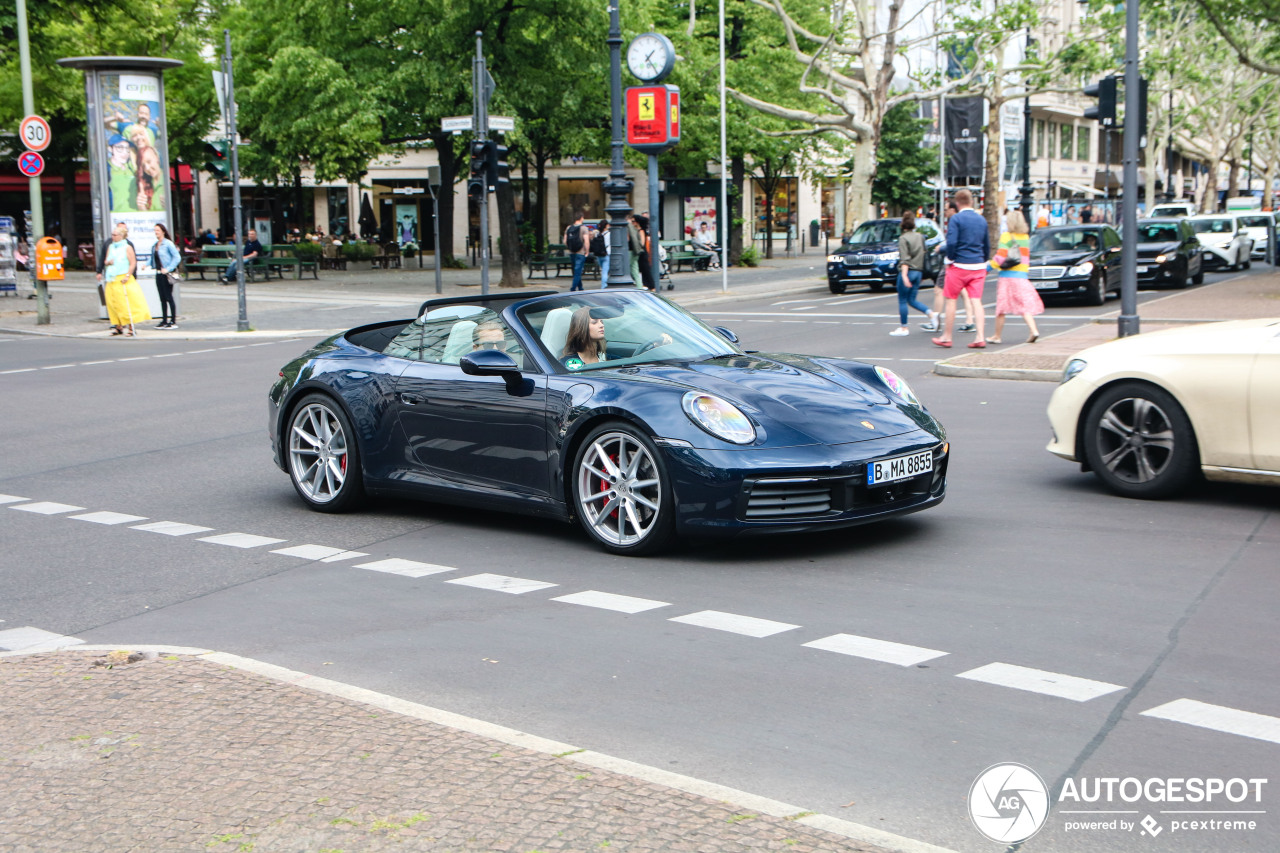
point(874, 226)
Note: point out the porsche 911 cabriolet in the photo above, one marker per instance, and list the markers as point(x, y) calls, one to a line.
point(614, 408)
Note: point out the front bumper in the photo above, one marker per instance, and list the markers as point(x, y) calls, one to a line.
point(1215, 258)
point(878, 272)
point(749, 492)
point(1149, 272)
point(1067, 285)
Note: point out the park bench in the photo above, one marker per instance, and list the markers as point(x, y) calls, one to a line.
point(556, 258)
point(281, 257)
point(217, 258)
point(680, 252)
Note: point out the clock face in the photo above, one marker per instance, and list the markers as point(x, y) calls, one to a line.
point(650, 57)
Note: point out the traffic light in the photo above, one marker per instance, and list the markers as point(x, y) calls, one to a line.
point(1105, 91)
point(1142, 110)
point(216, 160)
point(499, 172)
point(478, 181)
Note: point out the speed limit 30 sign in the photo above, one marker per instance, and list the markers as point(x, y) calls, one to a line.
point(34, 133)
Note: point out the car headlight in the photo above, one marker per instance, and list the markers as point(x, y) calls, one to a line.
point(897, 385)
point(1160, 259)
point(718, 417)
point(1081, 269)
point(1074, 366)
point(887, 256)
point(835, 259)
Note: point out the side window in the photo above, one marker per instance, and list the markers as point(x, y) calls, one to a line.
point(1110, 239)
point(927, 230)
point(407, 344)
point(452, 331)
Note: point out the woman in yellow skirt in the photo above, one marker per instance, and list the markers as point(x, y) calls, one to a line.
point(125, 303)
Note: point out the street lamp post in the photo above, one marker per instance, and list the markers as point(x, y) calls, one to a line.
point(1128, 322)
point(1027, 197)
point(618, 186)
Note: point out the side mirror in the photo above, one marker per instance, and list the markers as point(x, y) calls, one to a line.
point(727, 334)
point(492, 362)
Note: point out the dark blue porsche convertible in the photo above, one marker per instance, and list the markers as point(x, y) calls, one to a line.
point(615, 408)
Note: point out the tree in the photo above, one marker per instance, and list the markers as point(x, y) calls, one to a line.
point(904, 163)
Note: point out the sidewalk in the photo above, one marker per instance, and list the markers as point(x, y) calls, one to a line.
point(1235, 298)
point(275, 308)
point(182, 750)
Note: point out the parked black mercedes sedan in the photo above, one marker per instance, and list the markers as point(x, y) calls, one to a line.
point(1082, 261)
point(1169, 255)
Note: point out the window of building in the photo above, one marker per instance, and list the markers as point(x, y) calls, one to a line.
point(1052, 145)
point(1068, 135)
point(784, 209)
point(1082, 143)
point(339, 215)
point(1039, 137)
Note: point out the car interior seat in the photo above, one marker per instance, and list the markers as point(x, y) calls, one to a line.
point(555, 331)
point(461, 341)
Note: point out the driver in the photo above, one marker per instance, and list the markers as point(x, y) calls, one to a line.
point(489, 335)
point(585, 343)
point(1090, 242)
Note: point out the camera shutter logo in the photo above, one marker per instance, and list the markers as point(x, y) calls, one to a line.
point(1008, 803)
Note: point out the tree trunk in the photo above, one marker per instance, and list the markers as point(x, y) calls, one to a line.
point(1269, 175)
point(737, 178)
point(1153, 168)
point(444, 200)
point(858, 204)
point(526, 199)
point(509, 237)
point(1209, 201)
point(991, 170)
point(540, 215)
point(1233, 179)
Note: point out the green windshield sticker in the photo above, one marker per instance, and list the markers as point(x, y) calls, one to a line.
point(574, 364)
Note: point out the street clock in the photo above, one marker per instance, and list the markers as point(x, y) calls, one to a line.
point(651, 57)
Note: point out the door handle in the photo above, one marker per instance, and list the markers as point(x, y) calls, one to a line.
point(412, 399)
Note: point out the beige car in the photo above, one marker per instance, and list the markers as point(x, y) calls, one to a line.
point(1152, 413)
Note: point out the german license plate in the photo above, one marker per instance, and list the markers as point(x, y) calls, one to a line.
point(1046, 285)
point(859, 272)
point(1142, 269)
point(899, 468)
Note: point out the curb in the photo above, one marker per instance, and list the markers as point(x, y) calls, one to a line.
point(942, 368)
point(567, 752)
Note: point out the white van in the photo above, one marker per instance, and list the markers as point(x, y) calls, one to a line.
point(1173, 208)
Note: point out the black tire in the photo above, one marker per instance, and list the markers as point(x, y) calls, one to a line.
point(1139, 442)
point(1247, 264)
point(622, 517)
point(877, 286)
point(1097, 292)
point(322, 455)
point(1198, 278)
point(836, 287)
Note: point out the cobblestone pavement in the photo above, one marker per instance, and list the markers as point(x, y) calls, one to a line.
point(107, 751)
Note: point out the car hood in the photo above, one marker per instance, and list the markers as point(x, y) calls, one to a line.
point(1233, 336)
point(1059, 259)
point(1208, 238)
point(1158, 248)
point(803, 399)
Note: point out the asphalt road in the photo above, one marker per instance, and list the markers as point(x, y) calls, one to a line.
point(1028, 563)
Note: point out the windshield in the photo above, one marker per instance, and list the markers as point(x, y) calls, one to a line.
point(1162, 233)
point(876, 231)
point(1213, 226)
point(1065, 240)
point(638, 328)
point(1255, 221)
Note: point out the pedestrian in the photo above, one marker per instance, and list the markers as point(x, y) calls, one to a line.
point(1015, 294)
point(577, 240)
point(935, 317)
point(635, 242)
point(646, 265)
point(165, 259)
point(910, 272)
point(125, 302)
point(968, 249)
point(601, 244)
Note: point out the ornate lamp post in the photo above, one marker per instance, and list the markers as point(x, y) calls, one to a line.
point(618, 186)
point(1027, 192)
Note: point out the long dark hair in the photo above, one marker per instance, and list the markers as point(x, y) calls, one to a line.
point(579, 337)
point(163, 230)
point(908, 221)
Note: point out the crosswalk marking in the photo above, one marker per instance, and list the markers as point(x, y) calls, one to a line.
point(1039, 681)
point(240, 540)
point(733, 623)
point(109, 517)
point(12, 499)
point(319, 552)
point(612, 601)
point(872, 649)
point(47, 508)
point(502, 583)
point(171, 528)
point(408, 568)
point(1219, 718)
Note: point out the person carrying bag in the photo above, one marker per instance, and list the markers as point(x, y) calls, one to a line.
point(125, 303)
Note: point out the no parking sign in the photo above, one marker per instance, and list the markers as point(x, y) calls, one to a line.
point(30, 164)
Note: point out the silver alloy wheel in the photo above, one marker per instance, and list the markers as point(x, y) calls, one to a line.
point(1135, 440)
point(318, 452)
point(619, 489)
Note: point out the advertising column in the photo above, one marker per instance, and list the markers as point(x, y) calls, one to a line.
point(128, 154)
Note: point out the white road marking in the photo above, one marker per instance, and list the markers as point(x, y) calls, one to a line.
point(805, 308)
point(104, 361)
point(19, 370)
point(166, 355)
point(47, 508)
point(109, 517)
point(1219, 718)
point(1039, 681)
point(319, 552)
point(611, 601)
point(502, 583)
point(872, 649)
point(929, 360)
point(171, 528)
point(135, 358)
point(408, 568)
point(33, 639)
point(240, 540)
point(748, 625)
point(11, 499)
point(56, 366)
point(237, 346)
point(198, 351)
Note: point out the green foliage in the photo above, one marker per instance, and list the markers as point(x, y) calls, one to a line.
point(903, 164)
point(355, 251)
point(307, 250)
point(750, 257)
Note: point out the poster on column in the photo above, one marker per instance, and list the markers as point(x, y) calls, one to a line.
point(700, 210)
point(136, 161)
